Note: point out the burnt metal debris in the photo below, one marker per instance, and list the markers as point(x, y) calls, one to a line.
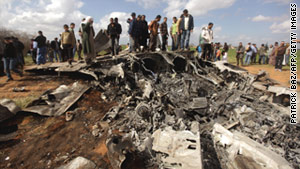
point(177, 111)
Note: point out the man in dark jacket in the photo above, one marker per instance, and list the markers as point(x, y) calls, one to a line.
point(186, 28)
point(9, 58)
point(279, 56)
point(112, 34)
point(55, 47)
point(19, 48)
point(42, 48)
point(133, 32)
point(1, 58)
point(144, 32)
point(119, 31)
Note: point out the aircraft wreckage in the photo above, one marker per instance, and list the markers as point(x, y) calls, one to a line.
point(176, 111)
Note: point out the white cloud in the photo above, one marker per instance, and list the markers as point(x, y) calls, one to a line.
point(260, 18)
point(195, 7)
point(280, 2)
point(146, 3)
point(199, 8)
point(283, 27)
point(48, 17)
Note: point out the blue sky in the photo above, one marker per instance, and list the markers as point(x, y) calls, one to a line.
point(257, 21)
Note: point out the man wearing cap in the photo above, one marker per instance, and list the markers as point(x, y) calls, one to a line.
point(186, 27)
point(42, 49)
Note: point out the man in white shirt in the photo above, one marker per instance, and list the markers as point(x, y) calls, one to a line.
point(206, 40)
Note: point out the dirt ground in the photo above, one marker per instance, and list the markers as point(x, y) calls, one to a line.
point(282, 77)
point(48, 142)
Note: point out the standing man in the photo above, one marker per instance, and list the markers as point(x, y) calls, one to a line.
point(88, 43)
point(253, 57)
point(164, 34)
point(153, 28)
point(144, 32)
point(42, 48)
point(33, 49)
point(67, 40)
point(10, 58)
point(205, 41)
point(240, 54)
point(269, 52)
point(55, 48)
point(112, 34)
point(287, 54)
point(79, 49)
point(186, 28)
point(249, 50)
point(1, 58)
point(72, 27)
point(279, 56)
point(119, 31)
point(133, 33)
point(262, 54)
point(173, 33)
point(19, 47)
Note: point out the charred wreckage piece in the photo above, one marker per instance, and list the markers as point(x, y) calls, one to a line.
point(168, 101)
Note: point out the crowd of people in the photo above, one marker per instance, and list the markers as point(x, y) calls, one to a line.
point(142, 37)
point(275, 55)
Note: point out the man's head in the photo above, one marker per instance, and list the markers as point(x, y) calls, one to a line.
point(165, 19)
point(116, 20)
point(174, 19)
point(254, 44)
point(66, 27)
point(241, 44)
point(7, 40)
point(83, 19)
point(271, 46)
point(56, 39)
point(158, 17)
point(282, 43)
point(249, 43)
point(143, 17)
point(276, 43)
point(111, 20)
point(40, 32)
point(72, 25)
point(139, 17)
point(262, 45)
point(210, 25)
point(185, 12)
point(133, 15)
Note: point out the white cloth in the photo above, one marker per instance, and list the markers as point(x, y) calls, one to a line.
point(225, 57)
point(186, 22)
point(207, 35)
point(34, 44)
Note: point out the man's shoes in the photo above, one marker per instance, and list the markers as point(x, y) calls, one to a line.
point(21, 74)
point(9, 79)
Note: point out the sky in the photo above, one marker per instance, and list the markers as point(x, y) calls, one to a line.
point(256, 21)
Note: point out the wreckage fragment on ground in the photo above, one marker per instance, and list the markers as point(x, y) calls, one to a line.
point(165, 95)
